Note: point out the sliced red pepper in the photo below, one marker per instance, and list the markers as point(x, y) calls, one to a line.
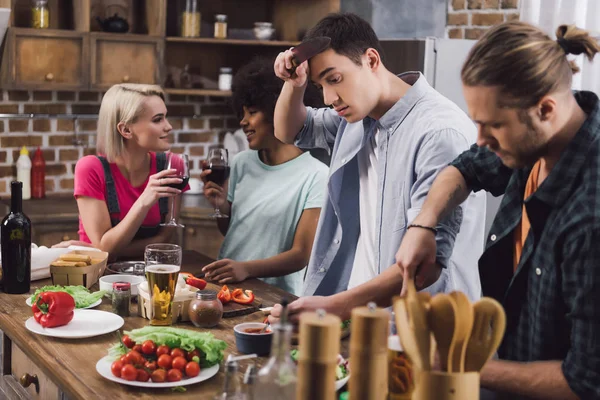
point(195, 282)
point(224, 295)
point(53, 309)
point(242, 296)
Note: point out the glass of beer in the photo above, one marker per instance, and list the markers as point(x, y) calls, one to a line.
point(163, 263)
point(400, 372)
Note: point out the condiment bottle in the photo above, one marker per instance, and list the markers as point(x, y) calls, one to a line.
point(250, 380)
point(225, 78)
point(40, 16)
point(368, 353)
point(232, 389)
point(121, 298)
point(38, 175)
point(317, 355)
point(24, 172)
point(190, 19)
point(205, 310)
point(220, 26)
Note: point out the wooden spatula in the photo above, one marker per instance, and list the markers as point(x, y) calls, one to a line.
point(418, 323)
point(489, 324)
point(407, 335)
point(462, 331)
point(442, 322)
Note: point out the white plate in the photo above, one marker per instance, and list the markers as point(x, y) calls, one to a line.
point(96, 304)
point(340, 384)
point(103, 368)
point(85, 323)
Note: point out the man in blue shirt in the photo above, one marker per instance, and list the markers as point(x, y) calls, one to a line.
point(389, 137)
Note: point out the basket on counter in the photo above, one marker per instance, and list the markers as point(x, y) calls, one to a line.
point(86, 276)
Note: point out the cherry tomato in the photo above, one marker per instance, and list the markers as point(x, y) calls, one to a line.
point(162, 349)
point(124, 359)
point(179, 363)
point(177, 352)
point(129, 372)
point(138, 348)
point(116, 367)
point(142, 375)
point(192, 369)
point(150, 365)
point(160, 375)
point(135, 358)
point(174, 375)
point(192, 354)
point(148, 347)
point(165, 361)
point(128, 342)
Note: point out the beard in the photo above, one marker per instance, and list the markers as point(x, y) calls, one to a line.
point(530, 148)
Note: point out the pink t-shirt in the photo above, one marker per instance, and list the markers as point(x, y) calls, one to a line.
point(90, 182)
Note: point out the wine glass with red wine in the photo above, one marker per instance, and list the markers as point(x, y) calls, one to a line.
point(181, 164)
point(218, 163)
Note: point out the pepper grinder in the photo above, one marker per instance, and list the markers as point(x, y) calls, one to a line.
point(317, 355)
point(368, 353)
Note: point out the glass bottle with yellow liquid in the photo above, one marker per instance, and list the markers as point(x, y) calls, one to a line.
point(40, 15)
point(190, 19)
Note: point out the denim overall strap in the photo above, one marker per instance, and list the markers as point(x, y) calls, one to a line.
point(163, 203)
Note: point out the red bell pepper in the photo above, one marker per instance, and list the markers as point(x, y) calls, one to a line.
point(242, 296)
point(53, 309)
point(224, 295)
point(195, 282)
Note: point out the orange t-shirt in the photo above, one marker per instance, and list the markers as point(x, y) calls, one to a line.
point(522, 229)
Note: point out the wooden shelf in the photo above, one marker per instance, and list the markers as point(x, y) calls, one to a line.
point(274, 43)
point(198, 92)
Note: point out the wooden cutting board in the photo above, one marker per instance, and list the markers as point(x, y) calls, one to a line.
point(233, 309)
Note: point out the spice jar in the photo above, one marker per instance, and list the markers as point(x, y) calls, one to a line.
point(220, 26)
point(40, 17)
point(121, 298)
point(205, 310)
point(190, 19)
point(225, 78)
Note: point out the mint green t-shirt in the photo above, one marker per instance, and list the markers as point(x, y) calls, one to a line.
point(267, 202)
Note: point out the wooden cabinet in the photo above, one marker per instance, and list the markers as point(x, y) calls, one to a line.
point(201, 235)
point(124, 59)
point(26, 379)
point(49, 60)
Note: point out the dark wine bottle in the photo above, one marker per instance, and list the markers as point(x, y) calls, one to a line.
point(16, 245)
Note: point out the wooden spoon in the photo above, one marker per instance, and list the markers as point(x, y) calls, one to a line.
point(442, 322)
point(489, 324)
point(462, 331)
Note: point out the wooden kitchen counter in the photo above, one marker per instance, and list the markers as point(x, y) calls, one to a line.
point(69, 366)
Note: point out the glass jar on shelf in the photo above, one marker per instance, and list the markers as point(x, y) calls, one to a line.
point(40, 15)
point(190, 19)
point(220, 26)
point(225, 78)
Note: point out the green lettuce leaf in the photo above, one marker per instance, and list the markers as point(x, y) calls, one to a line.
point(83, 297)
point(211, 349)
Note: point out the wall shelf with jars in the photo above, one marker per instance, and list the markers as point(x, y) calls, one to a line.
point(189, 47)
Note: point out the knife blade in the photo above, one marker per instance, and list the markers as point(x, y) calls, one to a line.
point(308, 49)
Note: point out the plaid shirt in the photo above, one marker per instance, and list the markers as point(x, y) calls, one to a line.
point(552, 301)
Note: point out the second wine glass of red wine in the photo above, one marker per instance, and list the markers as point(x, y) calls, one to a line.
point(181, 164)
point(218, 163)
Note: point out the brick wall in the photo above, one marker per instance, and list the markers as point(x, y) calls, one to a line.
point(468, 19)
point(56, 137)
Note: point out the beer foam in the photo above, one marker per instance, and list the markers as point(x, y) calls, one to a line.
point(163, 268)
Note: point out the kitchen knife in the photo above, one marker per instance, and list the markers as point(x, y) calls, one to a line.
point(308, 49)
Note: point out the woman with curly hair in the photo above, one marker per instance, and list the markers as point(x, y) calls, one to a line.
point(273, 196)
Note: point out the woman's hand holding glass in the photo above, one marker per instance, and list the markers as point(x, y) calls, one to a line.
point(157, 187)
point(215, 175)
point(216, 194)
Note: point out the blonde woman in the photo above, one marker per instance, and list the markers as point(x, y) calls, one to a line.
point(122, 193)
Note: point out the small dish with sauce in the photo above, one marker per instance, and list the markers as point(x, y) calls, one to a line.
point(248, 338)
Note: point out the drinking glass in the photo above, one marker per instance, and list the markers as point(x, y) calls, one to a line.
point(181, 164)
point(218, 163)
point(163, 263)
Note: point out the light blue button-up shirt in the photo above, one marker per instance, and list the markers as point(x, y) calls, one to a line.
point(419, 136)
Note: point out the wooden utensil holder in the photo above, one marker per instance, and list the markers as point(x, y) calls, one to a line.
point(435, 385)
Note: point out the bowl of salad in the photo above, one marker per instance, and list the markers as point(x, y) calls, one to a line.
point(342, 370)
